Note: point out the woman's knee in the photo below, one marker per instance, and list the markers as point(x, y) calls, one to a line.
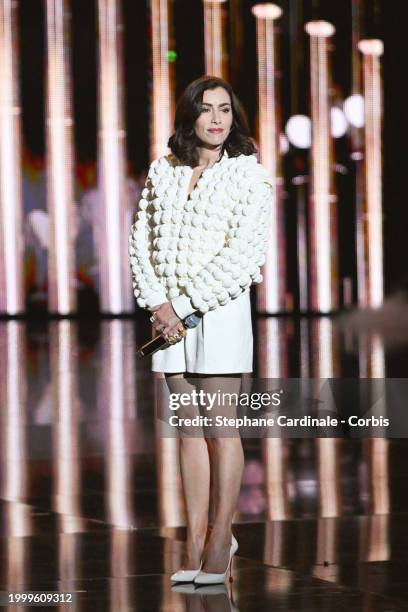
point(193, 444)
point(232, 443)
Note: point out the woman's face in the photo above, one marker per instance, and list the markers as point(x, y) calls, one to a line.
point(214, 123)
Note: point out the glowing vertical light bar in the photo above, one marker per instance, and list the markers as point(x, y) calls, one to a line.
point(68, 558)
point(372, 51)
point(326, 549)
point(371, 356)
point(171, 511)
point(122, 559)
point(11, 240)
point(237, 40)
point(215, 39)
point(372, 365)
point(274, 452)
point(17, 519)
point(356, 141)
point(323, 231)
point(379, 469)
point(273, 364)
point(17, 555)
point(272, 348)
point(304, 348)
point(115, 294)
point(116, 403)
point(60, 190)
point(162, 100)
point(300, 182)
point(274, 543)
point(378, 544)
point(360, 230)
point(66, 441)
point(328, 452)
point(271, 294)
point(325, 365)
point(13, 418)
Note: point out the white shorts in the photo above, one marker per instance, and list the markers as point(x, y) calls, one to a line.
point(222, 343)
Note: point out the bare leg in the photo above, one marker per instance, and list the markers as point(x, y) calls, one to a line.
point(227, 462)
point(196, 384)
point(195, 476)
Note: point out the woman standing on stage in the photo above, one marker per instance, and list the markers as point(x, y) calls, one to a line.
point(197, 245)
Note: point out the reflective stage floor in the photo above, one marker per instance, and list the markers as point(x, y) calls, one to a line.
point(90, 497)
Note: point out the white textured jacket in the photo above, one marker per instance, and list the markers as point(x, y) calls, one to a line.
point(201, 251)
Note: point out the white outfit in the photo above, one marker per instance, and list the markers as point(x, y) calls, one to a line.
point(221, 343)
point(202, 253)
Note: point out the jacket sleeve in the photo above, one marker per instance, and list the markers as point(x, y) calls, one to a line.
point(238, 263)
point(147, 288)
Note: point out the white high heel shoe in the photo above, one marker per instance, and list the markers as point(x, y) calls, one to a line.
point(185, 575)
point(209, 578)
point(189, 575)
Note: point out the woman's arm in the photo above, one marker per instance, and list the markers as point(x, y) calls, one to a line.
point(148, 290)
point(238, 263)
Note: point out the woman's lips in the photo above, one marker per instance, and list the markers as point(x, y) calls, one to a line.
point(216, 131)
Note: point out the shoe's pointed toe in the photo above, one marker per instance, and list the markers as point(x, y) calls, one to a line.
point(207, 578)
point(199, 577)
point(185, 575)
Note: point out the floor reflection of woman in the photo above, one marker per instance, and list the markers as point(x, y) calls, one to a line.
point(196, 246)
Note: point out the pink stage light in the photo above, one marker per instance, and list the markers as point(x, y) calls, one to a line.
point(66, 425)
point(271, 294)
point(373, 214)
point(163, 78)
point(13, 418)
point(115, 293)
point(325, 360)
point(11, 239)
point(60, 189)
point(323, 232)
point(215, 39)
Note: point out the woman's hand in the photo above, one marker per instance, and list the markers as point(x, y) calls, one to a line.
point(177, 331)
point(166, 321)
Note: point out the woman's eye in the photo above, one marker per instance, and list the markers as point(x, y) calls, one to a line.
point(224, 110)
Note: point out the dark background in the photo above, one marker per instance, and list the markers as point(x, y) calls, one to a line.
point(381, 19)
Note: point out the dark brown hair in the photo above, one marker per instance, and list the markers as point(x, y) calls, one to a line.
point(183, 143)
